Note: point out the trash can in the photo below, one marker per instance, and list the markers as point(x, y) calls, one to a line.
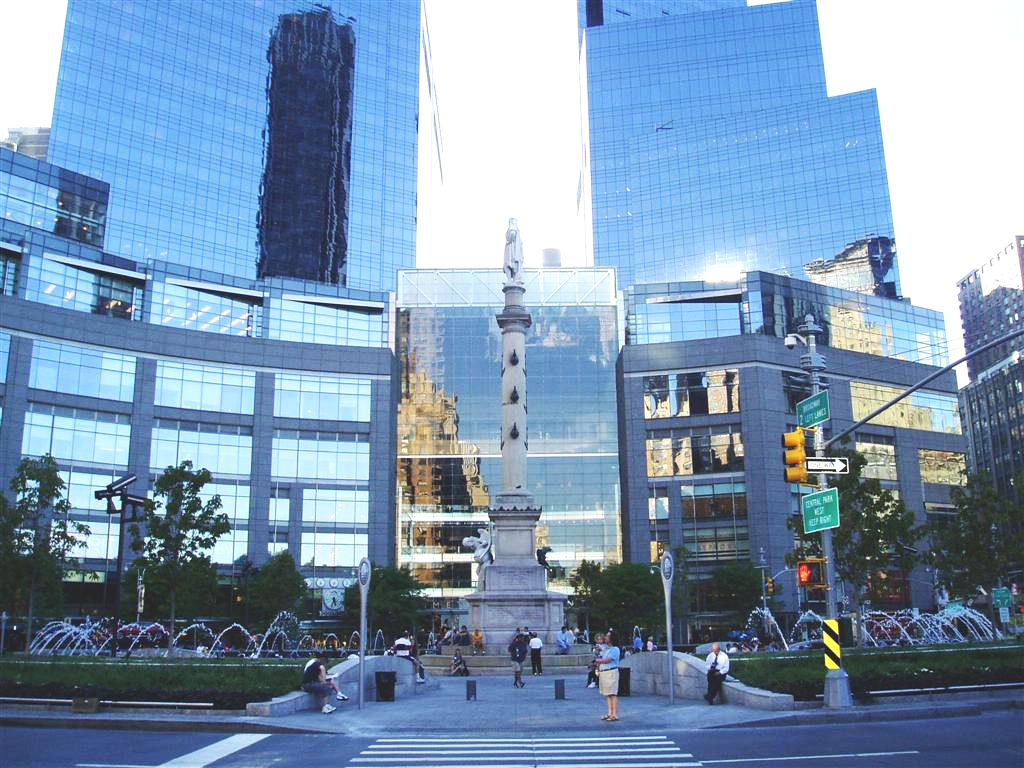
point(623, 681)
point(846, 632)
point(385, 682)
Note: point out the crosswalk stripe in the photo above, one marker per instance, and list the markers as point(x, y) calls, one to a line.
point(598, 752)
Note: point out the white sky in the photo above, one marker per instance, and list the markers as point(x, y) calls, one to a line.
point(948, 75)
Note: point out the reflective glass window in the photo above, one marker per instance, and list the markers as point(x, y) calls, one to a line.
point(929, 411)
point(57, 284)
point(881, 458)
point(8, 272)
point(942, 467)
point(205, 387)
point(5, 351)
point(178, 306)
point(75, 436)
point(692, 394)
point(234, 499)
point(319, 456)
point(316, 323)
point(82, 371)
point(715, 521)
point(221, 448)
point(66, 210)
point(332, 398)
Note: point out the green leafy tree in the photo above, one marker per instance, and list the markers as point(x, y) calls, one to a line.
point(187, 528)
point(38, 537)
point(981, 542)
point(196, 594)
point(625, 595)
point(393, 604)
point(875, 535)
point(734, 588)
point(277, 586)
point(582, 581)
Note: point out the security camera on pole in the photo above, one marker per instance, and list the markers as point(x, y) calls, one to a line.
point(820, 510)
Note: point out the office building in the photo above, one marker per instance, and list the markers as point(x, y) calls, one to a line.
point(242, 137)
point(992, 404)
point(449, 420)
point(707, 388)
point(714, 149)
point(734, 196)
point(28, 141)
point(282, 389)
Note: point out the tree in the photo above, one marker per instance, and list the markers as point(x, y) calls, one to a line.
point(277, 586)
point(38, 536)
point(187, 528)
point(875, 534)
point(981, 542)
point(196, 593)
point(625, 595)
point(393, 603)
point(735, 588)
point(582, 582)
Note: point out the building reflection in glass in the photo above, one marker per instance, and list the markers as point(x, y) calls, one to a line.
point(449, 420)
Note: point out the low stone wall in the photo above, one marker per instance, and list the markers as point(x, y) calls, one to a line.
point(647, 675)
point(347, 677)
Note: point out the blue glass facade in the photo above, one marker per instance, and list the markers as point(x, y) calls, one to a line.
point(283, 389)
point(183, 109)
point(714, 149)
point(449, 419)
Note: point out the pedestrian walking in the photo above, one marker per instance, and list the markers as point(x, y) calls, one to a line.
point(517, 650)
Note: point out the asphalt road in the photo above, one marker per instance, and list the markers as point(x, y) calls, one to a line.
point(992, 739)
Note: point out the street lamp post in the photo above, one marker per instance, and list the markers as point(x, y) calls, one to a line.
point(837, 682)
point(763, 568)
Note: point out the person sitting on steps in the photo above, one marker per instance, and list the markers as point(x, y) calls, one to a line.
point(459, 667)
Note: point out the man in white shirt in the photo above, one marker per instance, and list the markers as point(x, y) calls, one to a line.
point(718, 668)
point(403, 648)
point(535, 645)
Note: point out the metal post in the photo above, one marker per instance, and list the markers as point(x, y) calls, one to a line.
point(837, 682)
point(667, 572)
point(364, 588)
point(763, 567)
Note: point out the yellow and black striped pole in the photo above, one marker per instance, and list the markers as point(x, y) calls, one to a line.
point(833, 654)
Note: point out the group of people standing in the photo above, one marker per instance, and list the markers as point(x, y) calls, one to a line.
point(525, 642)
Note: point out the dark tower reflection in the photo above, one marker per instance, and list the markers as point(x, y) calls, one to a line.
point(303, 219)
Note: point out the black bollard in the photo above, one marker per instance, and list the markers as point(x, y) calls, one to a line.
point(559, 689)
point(471, 690)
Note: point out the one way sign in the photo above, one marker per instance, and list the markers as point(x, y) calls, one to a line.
point(827, 465)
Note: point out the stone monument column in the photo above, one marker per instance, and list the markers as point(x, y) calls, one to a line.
point(512, 590)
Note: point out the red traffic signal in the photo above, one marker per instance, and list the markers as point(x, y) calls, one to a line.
point(810, 573)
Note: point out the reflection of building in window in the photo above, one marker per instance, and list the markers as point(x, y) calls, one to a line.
point(715, 521)
point(700, 451)
point(692, 394)
point(942, 467)
point(303, 220)
point(865, 266)
point(881, 458)
point(922, 410)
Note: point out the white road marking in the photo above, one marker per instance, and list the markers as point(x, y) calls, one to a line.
point(810, 757)
point(203, 757)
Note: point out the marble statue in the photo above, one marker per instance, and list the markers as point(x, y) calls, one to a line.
point(481, 546)
point(513, 254)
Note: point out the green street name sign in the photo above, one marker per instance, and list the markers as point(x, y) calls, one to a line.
point(813, 410)
point(1001, 597)
point(820, 510)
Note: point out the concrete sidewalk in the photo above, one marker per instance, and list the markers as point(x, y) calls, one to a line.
point(529, 711)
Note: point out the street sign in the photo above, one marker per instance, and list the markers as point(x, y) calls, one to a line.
point(1004, 615)
point(1001, 597)
point(827, 465)
point(820, 510)
point(813, 410)
point(667, 568)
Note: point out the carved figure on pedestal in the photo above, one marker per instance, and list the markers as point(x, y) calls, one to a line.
point(482, 554)
point(513, 254)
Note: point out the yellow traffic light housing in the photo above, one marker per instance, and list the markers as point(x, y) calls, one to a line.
point(769, 585)
point(795, 456)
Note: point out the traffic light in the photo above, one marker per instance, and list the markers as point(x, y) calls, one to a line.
point(810, 573)
point(795, 456)
point(769, 585)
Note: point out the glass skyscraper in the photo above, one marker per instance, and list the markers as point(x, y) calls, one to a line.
point(449, 419)
point(239, 131)
point(714, 149)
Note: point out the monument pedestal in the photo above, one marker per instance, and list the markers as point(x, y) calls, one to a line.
point(514, 591)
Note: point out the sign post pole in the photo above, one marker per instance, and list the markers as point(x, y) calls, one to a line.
point(364, 587)
point(667, 572)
